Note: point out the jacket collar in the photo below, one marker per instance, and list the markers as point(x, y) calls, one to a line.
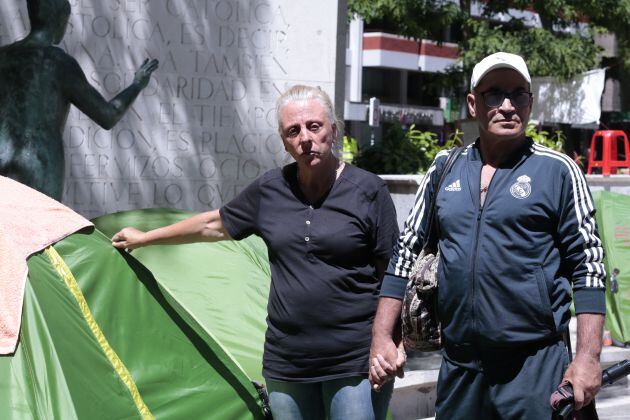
point(517, 156)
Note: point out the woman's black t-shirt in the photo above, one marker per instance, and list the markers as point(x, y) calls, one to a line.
point(324, 287)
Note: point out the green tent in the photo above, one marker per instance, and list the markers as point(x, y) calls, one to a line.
point(613, 220)
point(103, 337)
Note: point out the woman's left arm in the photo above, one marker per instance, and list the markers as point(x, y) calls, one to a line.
point(202, 227)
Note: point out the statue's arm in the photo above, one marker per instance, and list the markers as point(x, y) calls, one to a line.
point(87, 99)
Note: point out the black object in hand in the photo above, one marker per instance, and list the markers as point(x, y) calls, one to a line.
point(562, 399)
point(615, 372)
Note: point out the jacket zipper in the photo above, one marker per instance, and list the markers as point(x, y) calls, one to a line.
point(474, 261)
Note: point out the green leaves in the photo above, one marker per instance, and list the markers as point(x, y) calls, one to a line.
point(563, 47)
point(562, 55)
point(413, 18)
point(542, 137)
point(404, 151)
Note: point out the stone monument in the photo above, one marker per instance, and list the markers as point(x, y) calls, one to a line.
point(38, 82)
point(205, 126)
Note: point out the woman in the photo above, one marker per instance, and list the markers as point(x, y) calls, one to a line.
point(329, 229)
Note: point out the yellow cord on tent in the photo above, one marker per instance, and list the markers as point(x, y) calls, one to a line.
point(64, 272)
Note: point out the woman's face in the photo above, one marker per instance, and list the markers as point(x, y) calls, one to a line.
point(307, 132)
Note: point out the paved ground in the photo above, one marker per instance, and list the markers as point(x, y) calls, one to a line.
point(615, 408)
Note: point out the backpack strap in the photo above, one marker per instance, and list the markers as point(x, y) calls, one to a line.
point(431, 236)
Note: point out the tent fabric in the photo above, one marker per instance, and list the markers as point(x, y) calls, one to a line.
point(613, 221)
point(96, 325)
point(68, 278)
point(225, 295)
point(29, 222)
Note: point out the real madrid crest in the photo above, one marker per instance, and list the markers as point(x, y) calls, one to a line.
point(521, 188)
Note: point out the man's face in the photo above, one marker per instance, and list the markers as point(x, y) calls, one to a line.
point(508, 119)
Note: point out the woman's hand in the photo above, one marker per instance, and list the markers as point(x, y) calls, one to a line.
point(202, 227)
point(128, 238)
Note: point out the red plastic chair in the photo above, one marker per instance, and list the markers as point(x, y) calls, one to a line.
point(610, 150)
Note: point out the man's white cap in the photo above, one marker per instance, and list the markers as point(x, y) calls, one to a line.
point(500, 60)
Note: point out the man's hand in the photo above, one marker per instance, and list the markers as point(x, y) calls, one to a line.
point(143, 74)
point(386, 361)
point(585, 375)
point(128, 238)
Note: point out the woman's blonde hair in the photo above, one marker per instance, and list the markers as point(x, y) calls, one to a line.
point(299, 93)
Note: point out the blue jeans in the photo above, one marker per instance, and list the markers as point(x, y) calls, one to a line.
point(349, 398)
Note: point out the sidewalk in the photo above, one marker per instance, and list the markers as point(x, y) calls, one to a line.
point(414, 395)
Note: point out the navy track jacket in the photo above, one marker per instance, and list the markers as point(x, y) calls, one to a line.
point(507, 270)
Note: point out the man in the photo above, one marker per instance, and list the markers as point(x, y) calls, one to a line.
point(38, 82)
point(517, 236)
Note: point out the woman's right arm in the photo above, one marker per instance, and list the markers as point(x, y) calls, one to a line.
point(203, 227)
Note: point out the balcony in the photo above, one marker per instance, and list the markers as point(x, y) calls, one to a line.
point(397, 52)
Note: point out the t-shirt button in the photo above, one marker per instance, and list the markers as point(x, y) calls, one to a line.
point(308, 222)
point(307, 239)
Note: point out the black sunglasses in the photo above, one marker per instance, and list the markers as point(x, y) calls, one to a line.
point(494, 98)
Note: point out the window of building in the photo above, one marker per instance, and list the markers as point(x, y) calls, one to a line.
point(381, 83)
point(424, 89)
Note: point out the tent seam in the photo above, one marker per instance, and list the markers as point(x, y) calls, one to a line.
point(66, 275)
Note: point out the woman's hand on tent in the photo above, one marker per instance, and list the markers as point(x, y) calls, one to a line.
point(129, 238)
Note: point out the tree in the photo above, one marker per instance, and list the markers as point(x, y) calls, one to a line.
point(561, 45)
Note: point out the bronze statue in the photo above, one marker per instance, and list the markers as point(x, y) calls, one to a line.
point(38, 82)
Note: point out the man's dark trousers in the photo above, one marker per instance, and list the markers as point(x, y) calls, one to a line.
point(507, 384)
